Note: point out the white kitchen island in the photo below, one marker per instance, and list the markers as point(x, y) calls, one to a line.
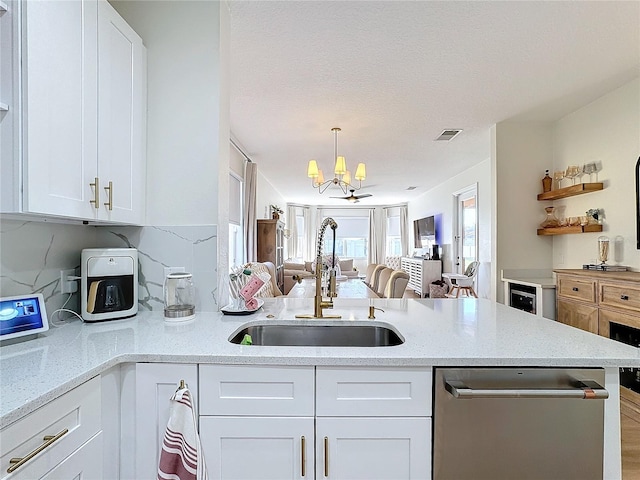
point(436, 332)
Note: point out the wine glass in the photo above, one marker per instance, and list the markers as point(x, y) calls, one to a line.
point(558, 175)
point(572, 173)
point(589, 169)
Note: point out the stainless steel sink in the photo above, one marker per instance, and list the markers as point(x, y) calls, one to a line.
point(323, 335)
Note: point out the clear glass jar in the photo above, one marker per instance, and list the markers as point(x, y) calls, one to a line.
point(603, 249)
point(179, 296)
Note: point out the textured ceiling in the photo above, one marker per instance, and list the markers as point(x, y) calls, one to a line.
point(394, 74)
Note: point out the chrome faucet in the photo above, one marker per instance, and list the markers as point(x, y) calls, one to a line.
point(319, 303)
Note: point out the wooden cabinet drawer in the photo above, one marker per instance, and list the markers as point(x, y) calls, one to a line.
point(371, 391)
point(79, 411)
point(579, 289)
point(256, 390)
point(578, 315)
point(620, 295)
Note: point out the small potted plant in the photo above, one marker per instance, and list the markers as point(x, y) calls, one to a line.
point(593, 216)
point(276, 211)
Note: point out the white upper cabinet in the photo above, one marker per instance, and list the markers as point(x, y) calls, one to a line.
point(121, 118)
point(83, 94)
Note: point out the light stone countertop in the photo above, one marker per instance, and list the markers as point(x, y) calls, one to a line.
point(437, 332)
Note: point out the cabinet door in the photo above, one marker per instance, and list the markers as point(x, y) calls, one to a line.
point(258, 448)
point(121, 118)
point(86, 462)
point(60, 116)
point(578, 315)
point(373, 448)
point(155, 385)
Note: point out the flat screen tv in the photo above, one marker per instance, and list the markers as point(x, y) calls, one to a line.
point(424, 231)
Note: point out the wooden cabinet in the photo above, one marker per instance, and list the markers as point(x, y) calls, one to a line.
point(69, 426)
point(612, 300)
point(155, 384)
point(421, 273)
point(82, 150)
point(349, 422)
point(270, 243)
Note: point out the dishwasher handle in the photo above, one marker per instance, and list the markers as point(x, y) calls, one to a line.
point(581, 389)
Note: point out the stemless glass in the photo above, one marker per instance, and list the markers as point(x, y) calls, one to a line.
point(558, 175)
point(589, 169)
point(572, 173)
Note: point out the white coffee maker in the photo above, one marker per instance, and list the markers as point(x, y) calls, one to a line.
point(109, 283)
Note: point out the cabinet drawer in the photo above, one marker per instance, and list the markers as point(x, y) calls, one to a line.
point(256, 390)
point(368, 392)
point(79, 411)
point(579, 289)
point(620, 295)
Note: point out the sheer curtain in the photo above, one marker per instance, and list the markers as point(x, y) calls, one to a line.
point(250, 182)
point(373, 238)
point(292, 226)
point(307, 253)
point(404, 230)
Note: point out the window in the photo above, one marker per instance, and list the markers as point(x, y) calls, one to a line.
point(236, 237)
point(394, 244)
point(352, 237)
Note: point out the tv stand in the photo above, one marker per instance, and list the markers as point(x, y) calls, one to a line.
point(421, 273)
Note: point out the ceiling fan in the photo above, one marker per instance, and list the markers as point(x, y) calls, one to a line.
point(354, 198)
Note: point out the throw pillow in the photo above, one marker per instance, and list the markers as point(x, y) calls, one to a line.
point(346, 265)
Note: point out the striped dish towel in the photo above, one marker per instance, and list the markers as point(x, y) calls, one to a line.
point(181, 456)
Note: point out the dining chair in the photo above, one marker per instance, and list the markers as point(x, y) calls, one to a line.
point(383, 278)
point(397, 284)
point(375, 277)
point(369, 273)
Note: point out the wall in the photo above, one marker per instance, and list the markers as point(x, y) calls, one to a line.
point(267, 195)
point(440, 200)
point(521, 153)
point(33, 253)
point(605, 131)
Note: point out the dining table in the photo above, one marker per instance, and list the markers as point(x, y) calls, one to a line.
point(348, 288)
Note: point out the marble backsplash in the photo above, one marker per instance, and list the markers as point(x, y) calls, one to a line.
point(33, 253)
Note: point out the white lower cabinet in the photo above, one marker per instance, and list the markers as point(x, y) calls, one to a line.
point(258, 448)
point(259, 422)
point(373, 448)
point(58, 440)
point(81, 464)
point(155, 384)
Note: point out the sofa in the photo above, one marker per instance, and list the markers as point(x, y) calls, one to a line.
point(306, 269)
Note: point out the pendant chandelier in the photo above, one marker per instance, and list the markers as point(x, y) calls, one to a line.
point(342, 176)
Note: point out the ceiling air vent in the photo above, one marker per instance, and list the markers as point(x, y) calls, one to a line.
point(447, 135)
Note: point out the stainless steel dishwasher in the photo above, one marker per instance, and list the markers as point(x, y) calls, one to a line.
point(518, 423)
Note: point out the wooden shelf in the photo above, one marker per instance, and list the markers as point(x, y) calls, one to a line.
point(570, 191)
point(569, 230)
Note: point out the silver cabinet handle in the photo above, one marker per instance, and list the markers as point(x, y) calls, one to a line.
point(48, 440)
point(587, 389)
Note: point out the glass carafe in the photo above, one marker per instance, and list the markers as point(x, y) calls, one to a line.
point(551, 221)
point(179, 296)
point(603, 249)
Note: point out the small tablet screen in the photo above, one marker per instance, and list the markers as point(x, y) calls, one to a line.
point(22, 315)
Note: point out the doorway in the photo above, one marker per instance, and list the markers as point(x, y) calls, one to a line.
point(466, 227)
